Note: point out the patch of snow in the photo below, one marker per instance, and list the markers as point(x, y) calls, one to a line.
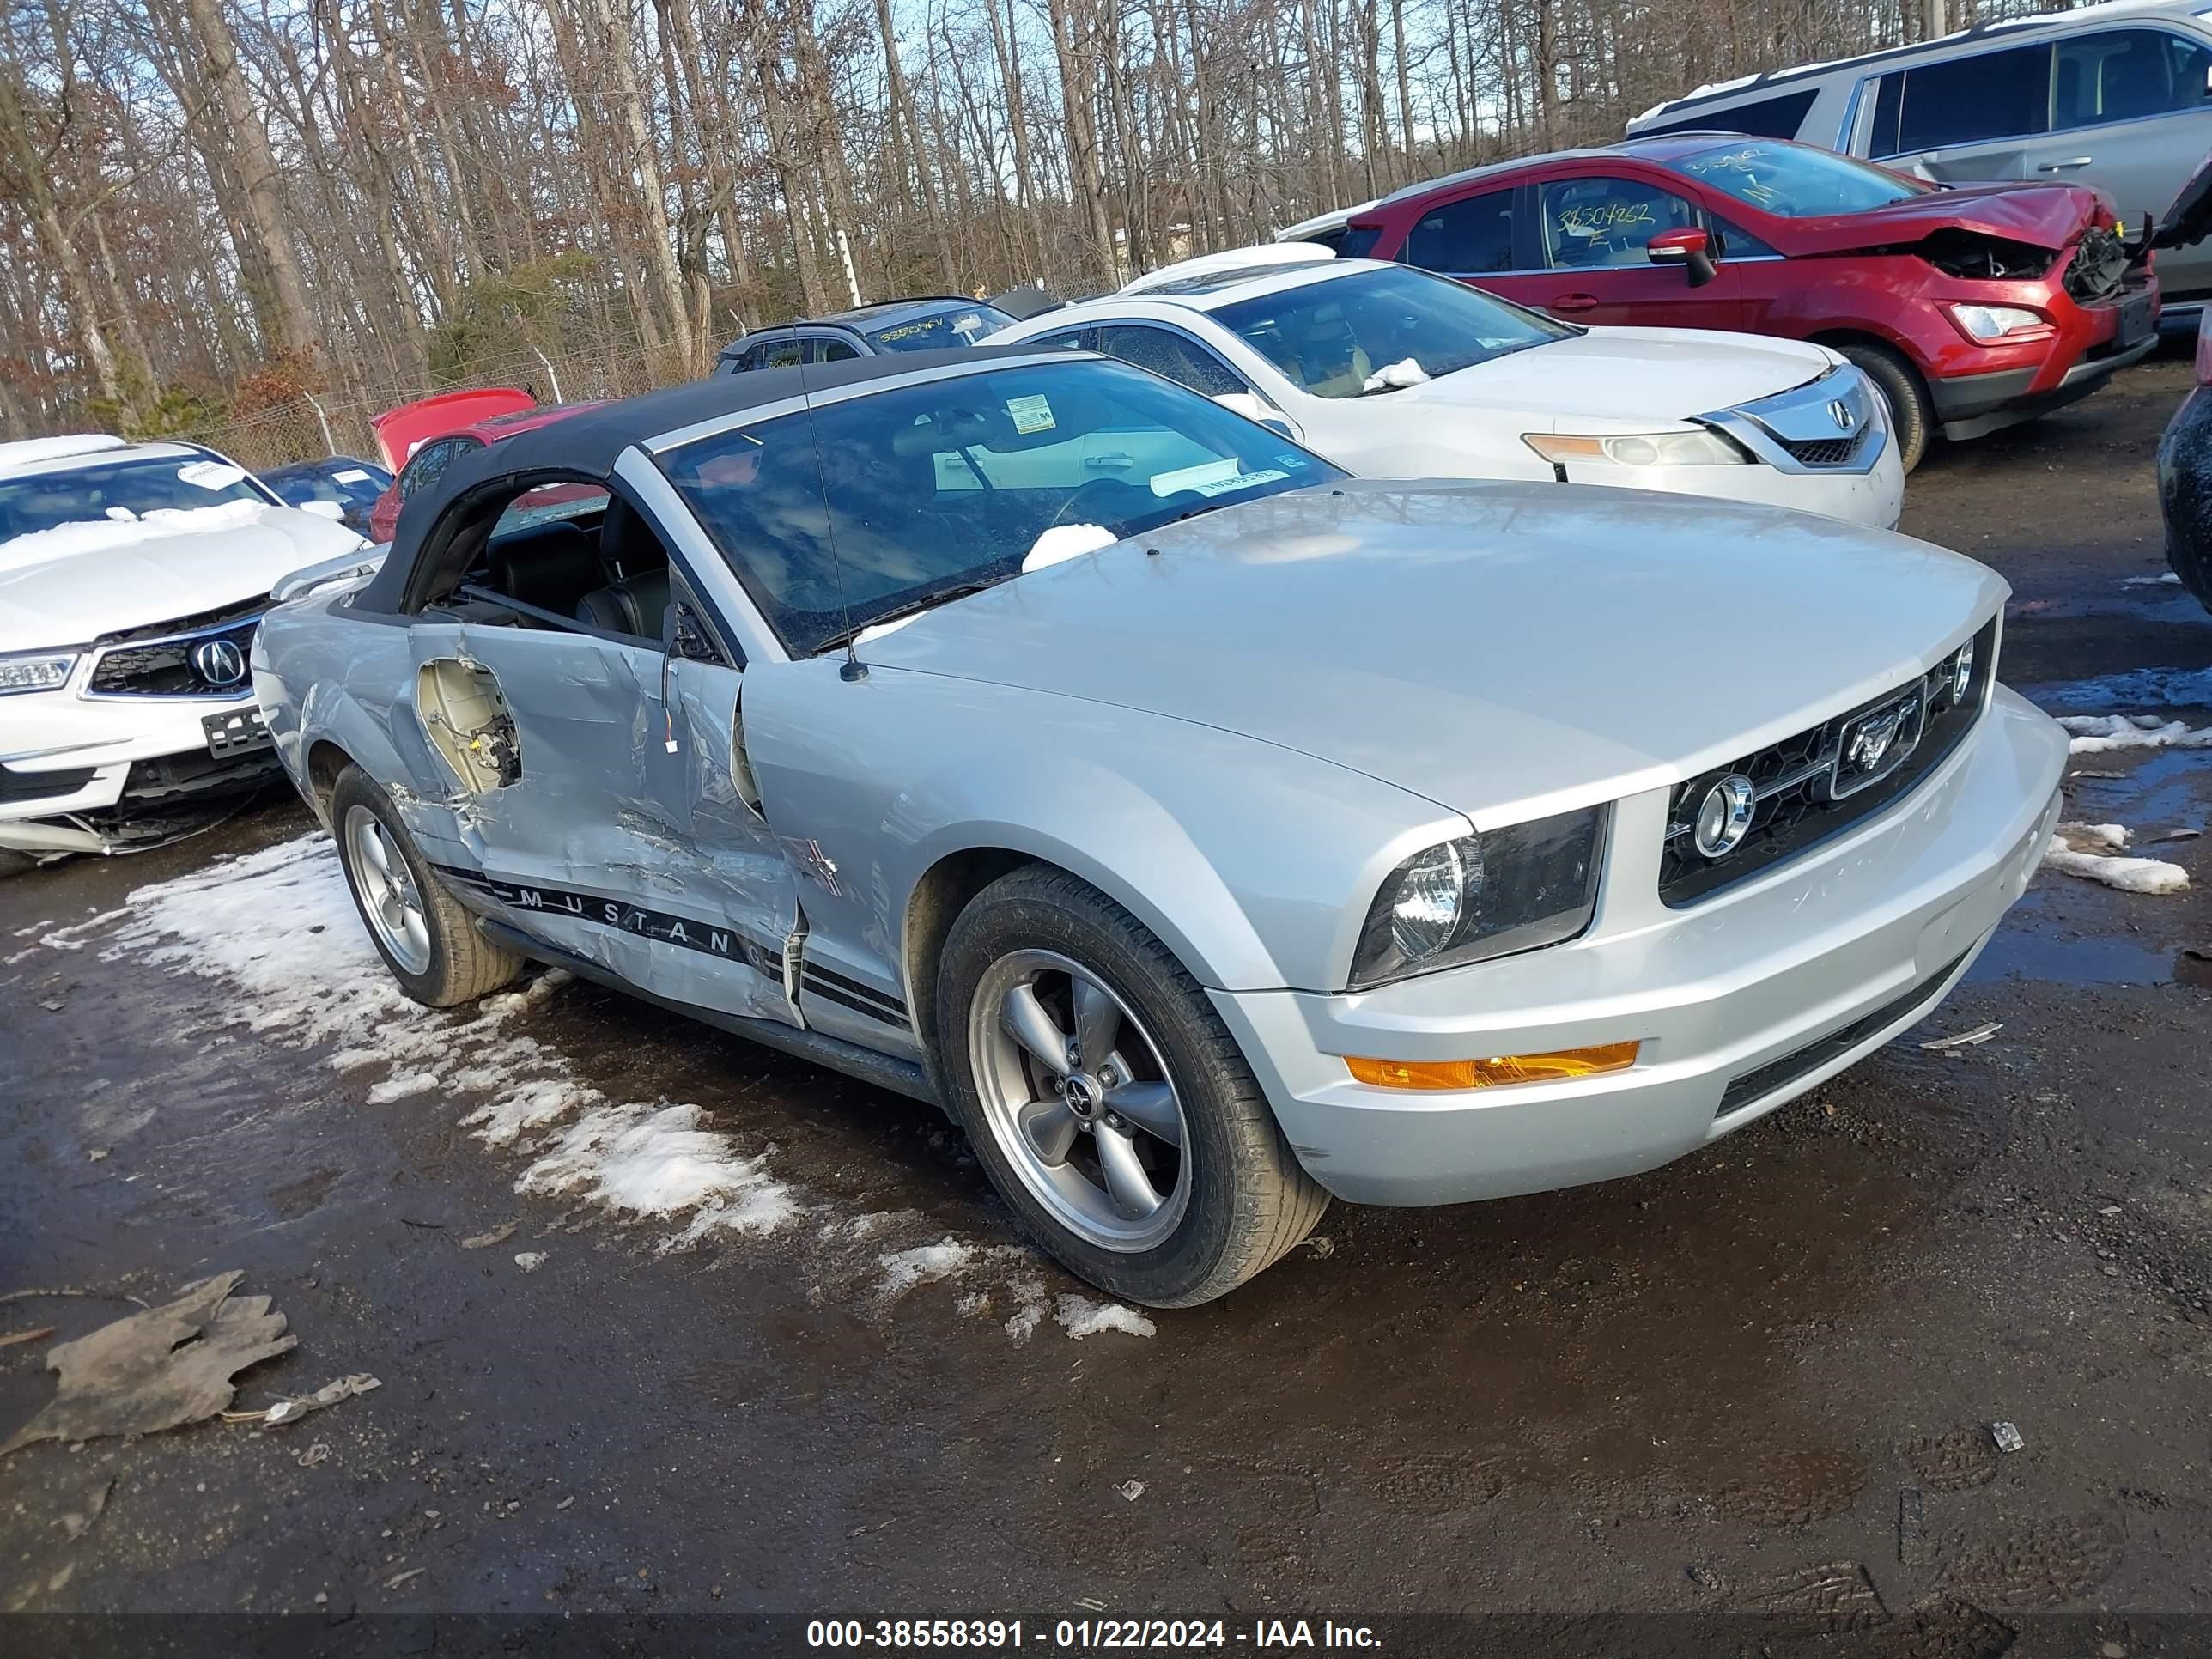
point(648, 1160)
point(904, 1269)
point(526, 1106)
point(1081, 1316)
point(1023, 1325)
point(2097, 734)
point(2149, 582)
point(401, 1084)
point(1059, 543)
point(69, 541)
point(530, 1260)
point(2129, 875)
point(1406, 371)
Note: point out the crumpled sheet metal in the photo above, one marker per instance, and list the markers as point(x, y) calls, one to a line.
point(159, 1369)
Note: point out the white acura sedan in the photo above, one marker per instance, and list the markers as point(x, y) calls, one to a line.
point(1395, 373)
point(132, 577)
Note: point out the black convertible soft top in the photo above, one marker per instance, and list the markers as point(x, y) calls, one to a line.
point(587, 444)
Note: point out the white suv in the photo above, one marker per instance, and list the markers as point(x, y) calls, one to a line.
point(131, 578)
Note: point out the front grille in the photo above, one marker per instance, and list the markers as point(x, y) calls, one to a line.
point(163, 663)
point(1804, 792)
point(1824, 451)
point(243, 610)
point(1779, 1074)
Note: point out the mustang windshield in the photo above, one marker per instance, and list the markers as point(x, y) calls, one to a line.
point(118, 490)
point(1794, 181)
point(1375, 330)
point(880, 502)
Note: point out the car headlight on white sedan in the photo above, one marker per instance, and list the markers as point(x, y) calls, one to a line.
point(1489, 895)
point(35, 670)
point(1699, 447)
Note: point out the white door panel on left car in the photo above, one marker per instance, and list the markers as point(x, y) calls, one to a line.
point(614, 831)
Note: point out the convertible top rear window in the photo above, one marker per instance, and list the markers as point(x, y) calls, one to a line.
point(841, 515)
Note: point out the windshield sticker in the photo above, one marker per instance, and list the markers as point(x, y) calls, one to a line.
point(906, 331)
point(351, 474)
point(1214, 478)
point(209, 475)
point(1031, 415)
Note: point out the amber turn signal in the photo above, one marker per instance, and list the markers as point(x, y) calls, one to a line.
point(1554, 1067)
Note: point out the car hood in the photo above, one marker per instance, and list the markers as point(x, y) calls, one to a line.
point(70, 585)
point(1625, 378)
point(1504, 649)
point(2044, 215)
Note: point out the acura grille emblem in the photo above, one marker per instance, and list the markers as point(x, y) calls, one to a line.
point(218, 662)
point(1840, 413)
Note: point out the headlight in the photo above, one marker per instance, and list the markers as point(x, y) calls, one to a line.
point(1703, 447)
point(1509, 890)
point(1990, 322)
point(38, 671)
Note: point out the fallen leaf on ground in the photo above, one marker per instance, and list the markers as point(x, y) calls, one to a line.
point(160, 1368)
point(14, 1337)
point(76, 1520)
point(498, 1235)
point(399, 1579)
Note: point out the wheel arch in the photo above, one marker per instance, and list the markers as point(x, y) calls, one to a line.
point(325, 761)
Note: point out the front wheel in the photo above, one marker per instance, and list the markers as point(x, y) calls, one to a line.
point(1911, 414)
point(1112, 1109)
point(14, 863)
point(427, 940)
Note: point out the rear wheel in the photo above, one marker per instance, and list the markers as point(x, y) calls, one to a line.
point(428, 940)
point(1911, 414)
point(1111, 1107)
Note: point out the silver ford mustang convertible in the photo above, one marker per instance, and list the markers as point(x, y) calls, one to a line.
point(1206, 831)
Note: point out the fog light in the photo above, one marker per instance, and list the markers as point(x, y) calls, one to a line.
point(1557, 1067)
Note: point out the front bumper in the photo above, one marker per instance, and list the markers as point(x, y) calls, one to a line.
point(1804, 971)
point(64, 756)
point(1975, 405)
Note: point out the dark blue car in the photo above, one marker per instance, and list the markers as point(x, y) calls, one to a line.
point(353, 484)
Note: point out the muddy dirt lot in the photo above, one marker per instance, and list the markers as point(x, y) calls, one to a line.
point(760, 1340)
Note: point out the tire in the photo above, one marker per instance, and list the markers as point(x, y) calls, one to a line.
point(1912, 415)
point(13, 863)
point(1237, 1198)
point(450, 962)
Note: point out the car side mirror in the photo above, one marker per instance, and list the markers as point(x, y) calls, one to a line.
point(330, 510)
point(1692, 250)
point(682, 636)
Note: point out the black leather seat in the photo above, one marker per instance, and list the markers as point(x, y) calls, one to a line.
point(637, 599)
point(635, 606)
point(551, 566)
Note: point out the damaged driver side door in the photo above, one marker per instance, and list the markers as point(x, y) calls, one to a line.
point(587, 720)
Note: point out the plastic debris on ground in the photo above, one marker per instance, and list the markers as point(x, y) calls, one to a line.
point(2005, 1437)
point(292, 1410)
point(1980, 1034)
point(160, 1368)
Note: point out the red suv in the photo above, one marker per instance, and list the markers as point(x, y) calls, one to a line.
point(1972, 307)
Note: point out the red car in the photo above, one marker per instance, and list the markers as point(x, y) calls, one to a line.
point(1972, 307)
point(420, 439)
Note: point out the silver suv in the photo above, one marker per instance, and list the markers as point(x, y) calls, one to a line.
point(2119, 97)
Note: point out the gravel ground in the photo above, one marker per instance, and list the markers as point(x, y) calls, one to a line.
point(1757, 1381)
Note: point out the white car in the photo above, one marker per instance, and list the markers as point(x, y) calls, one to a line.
point(131, 578)
point(1392, 372)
